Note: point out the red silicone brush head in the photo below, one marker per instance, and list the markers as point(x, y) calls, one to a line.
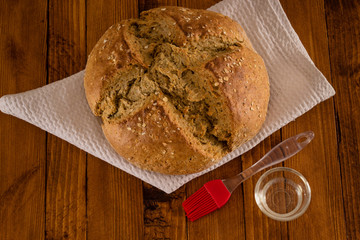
point(211, 196)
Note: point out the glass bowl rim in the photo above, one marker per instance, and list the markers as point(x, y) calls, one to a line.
point(278, 216)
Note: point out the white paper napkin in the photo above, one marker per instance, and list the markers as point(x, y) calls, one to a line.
point(296, 86)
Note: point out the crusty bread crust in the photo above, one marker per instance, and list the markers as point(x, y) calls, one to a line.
point(155, 135)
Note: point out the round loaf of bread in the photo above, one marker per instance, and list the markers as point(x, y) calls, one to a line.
point(177, 89)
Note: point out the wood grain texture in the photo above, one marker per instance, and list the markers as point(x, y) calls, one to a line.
point(115, 203)
point(148, 4)
point(115, 206)
point(343, 22)
point(318, 162)
point(203, 4)
point(66, 164)
point(22, 146)
point(65, 191)
point(258, 225)
point(164, 217)
point(102, 14)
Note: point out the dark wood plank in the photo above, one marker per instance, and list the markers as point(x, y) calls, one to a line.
point(202, 4)
point(22, 146)
point(258, 225)
point(115, 203)
point(318, 162)
point(65, 191)
point(164, 217)
point(228, 222)
point(343, 22)
point(66, 164)
point(115, 206)
point(148, 4)
point(102, 14)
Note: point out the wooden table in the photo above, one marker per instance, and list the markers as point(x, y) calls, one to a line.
point(51, 189)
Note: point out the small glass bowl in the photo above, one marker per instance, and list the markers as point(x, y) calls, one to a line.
point(282, 194)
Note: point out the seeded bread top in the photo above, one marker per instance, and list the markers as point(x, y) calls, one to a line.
point(198, 65)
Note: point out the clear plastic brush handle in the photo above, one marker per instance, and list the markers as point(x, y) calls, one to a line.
point(278, 154)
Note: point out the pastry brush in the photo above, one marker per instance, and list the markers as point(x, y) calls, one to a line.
point(214, 194)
